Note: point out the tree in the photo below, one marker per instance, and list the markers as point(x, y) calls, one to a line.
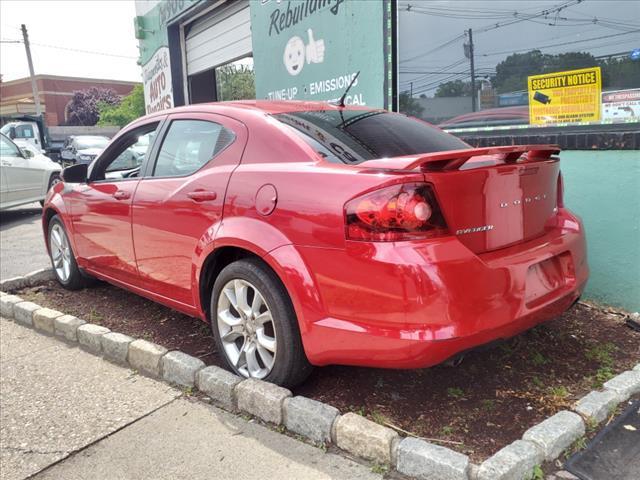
point(410, 106)
point(83, 107)
point(456, 88)
point(235, 82)
point(512, 72)
point(130, 108)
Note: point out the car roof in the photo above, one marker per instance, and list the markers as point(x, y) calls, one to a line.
point(267, 106)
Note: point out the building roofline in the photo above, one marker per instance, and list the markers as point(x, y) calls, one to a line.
point(73, 79)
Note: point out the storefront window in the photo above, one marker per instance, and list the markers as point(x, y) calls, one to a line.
point(499, 67)
point(236, 80)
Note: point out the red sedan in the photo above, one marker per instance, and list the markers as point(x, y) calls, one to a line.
point(311, 234)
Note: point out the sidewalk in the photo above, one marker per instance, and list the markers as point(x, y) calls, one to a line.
point(67, 414)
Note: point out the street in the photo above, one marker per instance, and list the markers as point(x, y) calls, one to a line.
point(22, 248)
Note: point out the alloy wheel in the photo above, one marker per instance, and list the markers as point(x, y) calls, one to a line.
point(60, 252)
point(246, 329)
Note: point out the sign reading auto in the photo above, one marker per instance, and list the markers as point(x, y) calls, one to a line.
point(156, 75)
point(312, 49)
point(565, 97)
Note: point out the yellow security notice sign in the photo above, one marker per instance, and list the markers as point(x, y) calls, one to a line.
point(565, 97)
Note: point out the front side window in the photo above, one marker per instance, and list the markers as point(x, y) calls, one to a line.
point(7, 148)
point(189, 145)
point(354, 136)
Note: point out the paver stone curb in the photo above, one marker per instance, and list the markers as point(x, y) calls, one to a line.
point(556, 433)
point(309, 418)
point(180, 369)
point(262, 399)
point(44, 320)
point(365, 438)
point(219, 385)
point(514, 462)
point(23, 312)
point(145, 357)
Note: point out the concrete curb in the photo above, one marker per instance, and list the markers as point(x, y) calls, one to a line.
point(318, 422)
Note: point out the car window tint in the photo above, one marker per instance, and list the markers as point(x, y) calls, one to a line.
point(189, 145)
point(8, 149)
point(354, 136)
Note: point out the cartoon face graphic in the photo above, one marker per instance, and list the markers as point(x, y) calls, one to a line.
point(294, 55)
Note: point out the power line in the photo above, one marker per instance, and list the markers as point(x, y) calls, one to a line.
point(558, 44)
point(78, 50)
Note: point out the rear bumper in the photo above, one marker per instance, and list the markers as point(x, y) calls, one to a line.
point(415, 304)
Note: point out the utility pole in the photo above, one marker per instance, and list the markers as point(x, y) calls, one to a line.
point(411, 89)
point(474, 103)
point(34, 85)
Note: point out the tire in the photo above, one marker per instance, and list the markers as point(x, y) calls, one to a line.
point(53, 179)
point(74, 280)
point(290, 366)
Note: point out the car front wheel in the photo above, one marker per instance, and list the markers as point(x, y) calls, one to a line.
point(62, 258)
point(255, 326)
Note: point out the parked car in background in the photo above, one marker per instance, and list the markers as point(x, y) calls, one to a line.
point(25, 174)
point(518, 115)
point(313, 234)
point(83, 148)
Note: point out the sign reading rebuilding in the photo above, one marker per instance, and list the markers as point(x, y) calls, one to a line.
point(312, 49)
point(565, 97)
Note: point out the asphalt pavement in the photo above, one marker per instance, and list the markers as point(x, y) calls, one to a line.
point(22, 248)
point(65, 413)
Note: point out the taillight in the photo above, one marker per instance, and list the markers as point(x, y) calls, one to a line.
point(406, 211)
point(560, 192)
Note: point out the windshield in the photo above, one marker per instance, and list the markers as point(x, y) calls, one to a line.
point(91, 142)
point(354, 136)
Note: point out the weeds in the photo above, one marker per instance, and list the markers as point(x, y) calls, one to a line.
point(537, 473)
point(539, 359)
point(488, 404)
point(455, 392)
point(380, 469)
point(560, 392)
point(379, 418)
point(446, 430)
point(537, 382)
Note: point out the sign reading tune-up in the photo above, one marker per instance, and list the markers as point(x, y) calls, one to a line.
point(565, 97)
point(312, 49)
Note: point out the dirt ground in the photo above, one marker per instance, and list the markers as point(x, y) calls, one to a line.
point(477, 407)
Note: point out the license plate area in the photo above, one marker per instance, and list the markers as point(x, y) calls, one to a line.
point(546, 278)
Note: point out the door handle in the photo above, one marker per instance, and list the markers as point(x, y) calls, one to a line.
point(202, 196)
point(121, 195)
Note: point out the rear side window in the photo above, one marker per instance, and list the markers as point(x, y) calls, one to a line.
point(354, 136)
point(189, 145)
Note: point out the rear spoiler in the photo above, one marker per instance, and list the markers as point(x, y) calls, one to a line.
point(454, 159)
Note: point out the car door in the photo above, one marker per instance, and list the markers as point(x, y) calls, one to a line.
point(181, 197)
point(23, 177)
point(101, 211)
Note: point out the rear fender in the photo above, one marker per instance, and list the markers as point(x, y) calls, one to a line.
point(250, 234)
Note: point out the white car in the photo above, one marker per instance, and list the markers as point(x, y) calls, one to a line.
point(25, 174)
point(83, 148)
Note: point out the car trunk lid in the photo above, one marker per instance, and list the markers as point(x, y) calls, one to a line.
point(491, 197)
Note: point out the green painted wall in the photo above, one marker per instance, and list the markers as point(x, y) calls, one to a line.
point(603, 187)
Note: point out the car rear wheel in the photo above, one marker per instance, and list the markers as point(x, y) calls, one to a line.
point(62, 258)
point(255, 326)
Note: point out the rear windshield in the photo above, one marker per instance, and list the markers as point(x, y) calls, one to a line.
point(354, 136)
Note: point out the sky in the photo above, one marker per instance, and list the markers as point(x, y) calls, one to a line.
point(106, 29)
point(102, 27)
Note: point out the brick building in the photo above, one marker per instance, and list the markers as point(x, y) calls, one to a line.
point(55, 93)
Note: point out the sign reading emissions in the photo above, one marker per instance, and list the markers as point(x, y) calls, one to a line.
point(565, 97)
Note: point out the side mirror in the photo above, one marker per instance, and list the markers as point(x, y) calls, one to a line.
point(12, 132)
point(26, 153)
point(75, 173)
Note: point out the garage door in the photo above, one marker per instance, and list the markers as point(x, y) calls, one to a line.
point(219, 37)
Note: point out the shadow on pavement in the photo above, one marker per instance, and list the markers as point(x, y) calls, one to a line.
point(24, 215)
